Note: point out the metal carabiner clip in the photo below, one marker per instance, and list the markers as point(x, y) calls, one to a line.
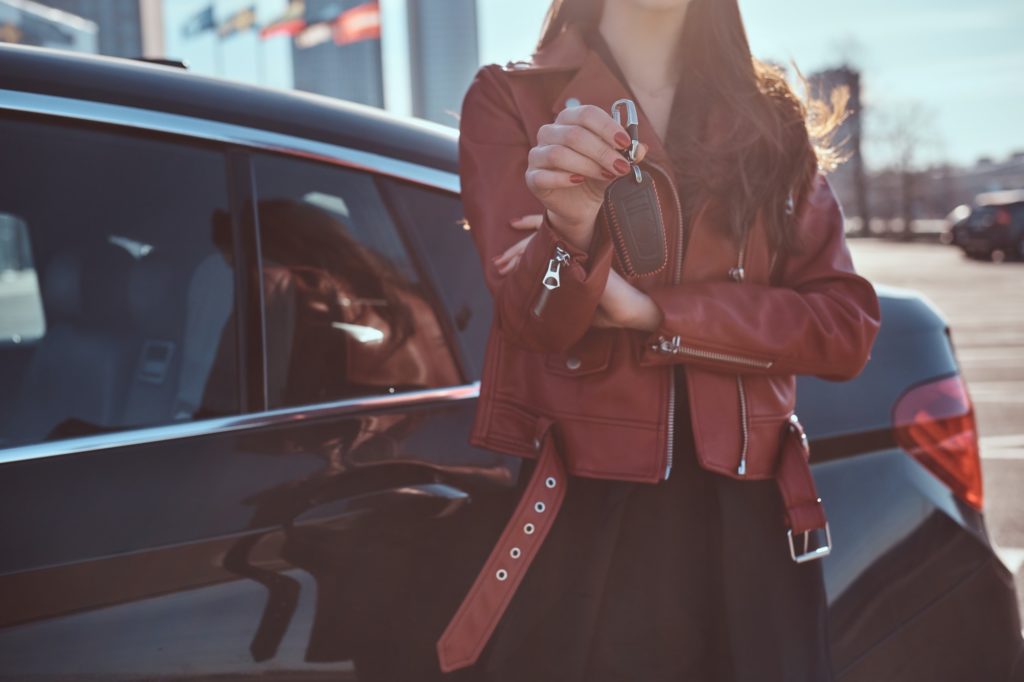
point(632, 126)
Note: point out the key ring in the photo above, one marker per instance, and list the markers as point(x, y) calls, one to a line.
point(632, 126)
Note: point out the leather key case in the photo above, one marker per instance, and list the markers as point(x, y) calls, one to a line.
point(637, 227)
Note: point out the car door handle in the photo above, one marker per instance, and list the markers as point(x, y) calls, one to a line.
point(413, 501)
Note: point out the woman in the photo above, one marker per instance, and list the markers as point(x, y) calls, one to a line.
point(669, 524)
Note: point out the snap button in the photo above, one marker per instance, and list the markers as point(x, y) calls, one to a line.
point(571, 103)
point(539, 507)
point(515, 552)
point(502, 574)
point(529, 528)
point(550, 481)
point(573, 363)
point(536, 443)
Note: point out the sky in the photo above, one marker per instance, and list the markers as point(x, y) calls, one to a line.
point(960, 62)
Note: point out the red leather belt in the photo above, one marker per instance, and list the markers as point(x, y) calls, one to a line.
point(472, 625)
point(467, 633)
point(804, 513)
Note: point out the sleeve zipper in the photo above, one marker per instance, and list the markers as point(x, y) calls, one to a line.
point(674, 346)
point(552, 278)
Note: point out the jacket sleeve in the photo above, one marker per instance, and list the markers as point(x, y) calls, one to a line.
point(493, 157)
point(821, 320)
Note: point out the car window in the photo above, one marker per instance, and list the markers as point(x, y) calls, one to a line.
point(435, 223)
point(116, 279)
point(346, 313)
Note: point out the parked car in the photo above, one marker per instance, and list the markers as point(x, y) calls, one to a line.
point(241, 333)
point(994, 228)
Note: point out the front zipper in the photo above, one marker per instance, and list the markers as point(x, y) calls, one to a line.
point(737, 275)
point(552, 278)
point(742, 468)
point(676, 273)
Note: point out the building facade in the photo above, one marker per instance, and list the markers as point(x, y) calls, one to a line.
point(117, 21)
point(443, 56)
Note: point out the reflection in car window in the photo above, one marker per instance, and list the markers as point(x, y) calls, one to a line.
point(435, 224)
point(22, 319)
point(129, 239)
point(346, 314)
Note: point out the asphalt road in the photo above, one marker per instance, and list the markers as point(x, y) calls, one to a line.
point(984, 303)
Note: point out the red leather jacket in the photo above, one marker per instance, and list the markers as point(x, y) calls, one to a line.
point(608, 393)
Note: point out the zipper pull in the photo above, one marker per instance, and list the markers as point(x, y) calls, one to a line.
point(552, 278)
point(669, 346)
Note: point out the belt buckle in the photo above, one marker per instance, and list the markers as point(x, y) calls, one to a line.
point(810, 554)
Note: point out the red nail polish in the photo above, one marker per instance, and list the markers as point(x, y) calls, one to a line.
point(621, 166)
point(607, 175)
point(622, 139)
point(577, 179)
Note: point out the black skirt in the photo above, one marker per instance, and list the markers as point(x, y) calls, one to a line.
point(688, 580)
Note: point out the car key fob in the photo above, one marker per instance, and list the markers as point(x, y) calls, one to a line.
point(632, 212)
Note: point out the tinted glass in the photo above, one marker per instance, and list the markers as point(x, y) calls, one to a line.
point(435, 223)
point(111, 238)
point(346, 312)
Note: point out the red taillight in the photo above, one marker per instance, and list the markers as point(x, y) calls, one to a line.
point(934, 422)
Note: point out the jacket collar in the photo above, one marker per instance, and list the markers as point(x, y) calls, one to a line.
point(592, 83)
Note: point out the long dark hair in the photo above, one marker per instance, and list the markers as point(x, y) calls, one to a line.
point(763, 142)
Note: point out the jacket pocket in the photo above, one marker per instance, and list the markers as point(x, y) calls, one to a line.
point(770, 396)
point(589, 355)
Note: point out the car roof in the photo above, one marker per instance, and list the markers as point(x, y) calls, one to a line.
point(159, 87)
point(1000, 198)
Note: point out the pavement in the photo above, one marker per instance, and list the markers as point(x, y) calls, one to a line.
point(984, 303)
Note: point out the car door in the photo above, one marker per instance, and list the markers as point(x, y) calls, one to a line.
point(234, 416)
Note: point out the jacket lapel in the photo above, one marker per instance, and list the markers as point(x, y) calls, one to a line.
point(592, 83)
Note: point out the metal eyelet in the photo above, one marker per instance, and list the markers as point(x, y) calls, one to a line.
point(550, 481)
point(573, 363)
point(529, 528)
point(502, 574)
point(539, 507)
point(515, 552)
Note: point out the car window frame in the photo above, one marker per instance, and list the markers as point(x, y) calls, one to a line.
point(238, 141)
point(425, 278)
point(224, 150)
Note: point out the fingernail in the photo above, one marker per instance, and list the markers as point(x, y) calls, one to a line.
point(577, 179)
point(607, 175)
point(622, 139)
point(621, 166)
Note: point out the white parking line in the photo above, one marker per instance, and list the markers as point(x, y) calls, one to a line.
point(1003, 447)
point(1012, 558)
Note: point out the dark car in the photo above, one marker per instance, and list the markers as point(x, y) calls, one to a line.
point(241, 334)
point(994, 229)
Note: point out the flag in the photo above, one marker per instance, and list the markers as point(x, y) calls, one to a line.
point(361, 22)
point(314, 34)
point(239, 21)
point(199, 22)
point(291, 21)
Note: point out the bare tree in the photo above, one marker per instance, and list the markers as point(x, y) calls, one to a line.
point(904, 133)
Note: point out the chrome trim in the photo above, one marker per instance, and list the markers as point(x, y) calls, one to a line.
point(228, 133)
point(156, 434)
point(809, 554)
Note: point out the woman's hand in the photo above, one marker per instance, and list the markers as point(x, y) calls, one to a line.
point(623, 305)
point(574, 160)
point(508, 261)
